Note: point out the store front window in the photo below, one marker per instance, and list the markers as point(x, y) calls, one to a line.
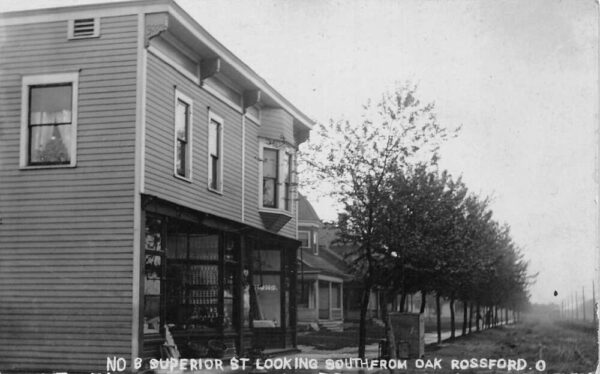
point(267, 287)
point(193, 293)
point(154, 274)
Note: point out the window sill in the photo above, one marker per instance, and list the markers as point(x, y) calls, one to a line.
point(218, 192)
point(185, 179)
point(38, 167)
point(275, 211)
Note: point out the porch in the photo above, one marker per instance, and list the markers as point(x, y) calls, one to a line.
point(320, 300)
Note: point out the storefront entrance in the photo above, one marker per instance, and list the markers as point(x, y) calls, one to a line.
point(221, 291)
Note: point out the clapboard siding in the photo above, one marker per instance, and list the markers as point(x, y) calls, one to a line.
point(66, 238)
point(252, 183)
point(276, 124)
point(162, 81)
point(159, 160)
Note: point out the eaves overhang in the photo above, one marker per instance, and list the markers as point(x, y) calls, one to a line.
point(183, 25)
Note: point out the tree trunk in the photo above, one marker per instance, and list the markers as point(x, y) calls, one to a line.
point(452, 319)
point(362, 329)
point(495, 315)
point(478, 318)
point(506, 315)
point(389, 331)
point(470, 318)
point(465, 311)
point(438, 313)
point(403, 302)
point(423, 300)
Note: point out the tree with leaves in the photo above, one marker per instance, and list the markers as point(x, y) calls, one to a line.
point(359, 158)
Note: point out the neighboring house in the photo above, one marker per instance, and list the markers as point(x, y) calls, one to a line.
point(321, 274)
point(352, 295)
point(328, 237)
point(146, 179)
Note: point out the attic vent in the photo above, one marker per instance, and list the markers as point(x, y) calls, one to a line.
point(84, 28)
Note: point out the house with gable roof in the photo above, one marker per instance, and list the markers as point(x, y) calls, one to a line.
point(321, 273)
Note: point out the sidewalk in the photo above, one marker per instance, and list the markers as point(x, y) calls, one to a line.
point(309, 352)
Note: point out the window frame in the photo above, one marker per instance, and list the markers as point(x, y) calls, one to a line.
point(276, 193)
point(179, 96)
point(280, 184)
point(29, 81)
point(287, 183)
point(309, 237)
point(212, 117)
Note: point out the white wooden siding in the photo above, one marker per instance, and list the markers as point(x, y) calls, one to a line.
point(66, 238)
point(159, 180)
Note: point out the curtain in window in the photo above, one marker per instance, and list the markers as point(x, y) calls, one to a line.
point(50, 119)
point(50, 144)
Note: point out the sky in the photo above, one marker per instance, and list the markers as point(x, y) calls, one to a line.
point(520, 77)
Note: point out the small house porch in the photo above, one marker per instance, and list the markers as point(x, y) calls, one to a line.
point(320, 300)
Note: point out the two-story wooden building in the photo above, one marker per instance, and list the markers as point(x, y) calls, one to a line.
point(146, 179)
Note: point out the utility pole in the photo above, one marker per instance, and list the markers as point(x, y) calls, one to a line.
point(576, 307)
point(583, 302)
point(593, 301)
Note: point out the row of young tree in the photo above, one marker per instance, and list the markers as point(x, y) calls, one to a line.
point(414, 228)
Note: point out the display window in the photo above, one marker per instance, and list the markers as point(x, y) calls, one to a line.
point(198, 282)
point(153, 274)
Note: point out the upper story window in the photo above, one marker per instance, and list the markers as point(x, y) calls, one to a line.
point(277, 178)
point(215, 153)
point(183, 136)
point(304, 237)
point(270, 177)
point(287, 181)
point(49, 120)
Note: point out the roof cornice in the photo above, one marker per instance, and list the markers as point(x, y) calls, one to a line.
point(63, 12)
point(228, 57)
point(155, 6)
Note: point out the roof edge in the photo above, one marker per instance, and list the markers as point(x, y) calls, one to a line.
point(82, 7)
point(175, 9)
point(241, 66)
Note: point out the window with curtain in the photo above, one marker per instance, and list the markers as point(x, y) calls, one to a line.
point(50, 124)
